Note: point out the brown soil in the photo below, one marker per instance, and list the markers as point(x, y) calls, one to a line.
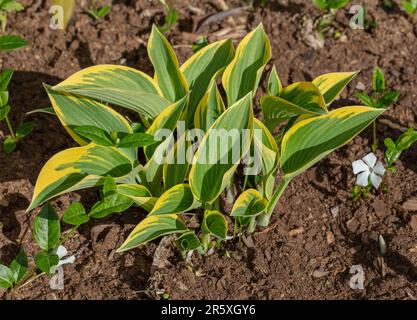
point(317, 232)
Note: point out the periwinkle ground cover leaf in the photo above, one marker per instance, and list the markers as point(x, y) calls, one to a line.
point(179, 155)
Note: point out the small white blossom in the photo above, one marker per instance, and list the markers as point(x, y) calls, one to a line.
point(61, 252)
point(368, 169)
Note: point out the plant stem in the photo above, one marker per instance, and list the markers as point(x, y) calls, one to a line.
point(263, 219)
point(252, 225)
point(10, 129)
point(375, 144)
point(67, 236)
point(205, 241)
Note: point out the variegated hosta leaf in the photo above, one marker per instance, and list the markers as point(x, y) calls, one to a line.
point(68, 9)
point(118, 85)
point(76, 111)
point(332, 84)
point(215, 224)
point(249, 204)
point(266, 152)
point(243, 74)
point(80, 168)
point(168, 76)
point(209, 109)
point(139, 194)
point(305, 95)
point(221, 150)
point(188, 241)
point(178, 199)
point(311, 139)
point(151, 175)
point(274, 83)
point(153, 227)
point(203, 67)
point(276, 110)
point(177, 166)
point(167, 120)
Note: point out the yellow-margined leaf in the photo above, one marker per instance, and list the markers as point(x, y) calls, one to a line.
point(243, 74)
point(178, 199)
point(305, 95)
point(176, 166)
point(188, 241)
point(332, 84)
point(68, 9)
point(153, 227)
point(249, 204)
point(139, 194)
point(118, 85)
point(169, 77)
point(221, 149)
point(274, 83)
point(203, 67)
point(209, 109)
point(167, 119)
point(75, 111)
point(80, 168)
point(215, 224)
point(311, 139)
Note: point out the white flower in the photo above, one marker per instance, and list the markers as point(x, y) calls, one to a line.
point(368, 169)
point(61, 252)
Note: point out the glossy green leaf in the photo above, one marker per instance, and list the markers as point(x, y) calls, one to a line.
point(332, 84)
point(176, 200)
point(6, 277)
point(139, 194)
point(10, 42)
point(47, 229)
point(274, 83)
point(215, 224)
point(249, 204)
point(114, 203)
point(46, 261)
point(188, 241)
point(75, 214)
point(19, 266)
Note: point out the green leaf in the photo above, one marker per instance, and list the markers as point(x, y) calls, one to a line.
point(50, 111)
point(9, 43)
point(310, 140)
point(19, 266)
point(221, 150)
point(388, 99)
point(118, 85)
point(6, 277)
point(305, 95)
point(25, 129)
point(378, 80)
point(94, 134)
point(47, 229)
point(5, 77)
point(274, 83)
point(407, 139)
point(337, 4)
point(109, 186)
point(188, 241)
point(365, 99)
point(332, 84)
point(200, 44)
point(168, 76)
point(243, 74)
point(114, 203)
point(4, 98)
point(4, 112)
point(321, 4)
point(249, 204)
point(75, 214)
point(215, 224)
point(45, 261)
point(9, 145)
point(176, 200)
point(137, 140)
point(202, 69)
point(139, 194)
point(153, 227)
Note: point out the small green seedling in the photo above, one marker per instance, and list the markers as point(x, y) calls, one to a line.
point(171, 17)
point(200, 44)
point(98, 12)
point(7, 6)
point(381, 98)
point(395, 149)
point(9, 144)
point(329, 9)
point(410, 6)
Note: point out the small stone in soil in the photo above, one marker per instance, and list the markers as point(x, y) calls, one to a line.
point(296, 232)
point(320, 273)
point(413, 223)
point(410, 205)
point(335, 211)
point(352, 225)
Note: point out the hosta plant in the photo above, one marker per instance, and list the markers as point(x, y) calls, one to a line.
point(329, 9)
point(190, 144)
point(410, 6)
